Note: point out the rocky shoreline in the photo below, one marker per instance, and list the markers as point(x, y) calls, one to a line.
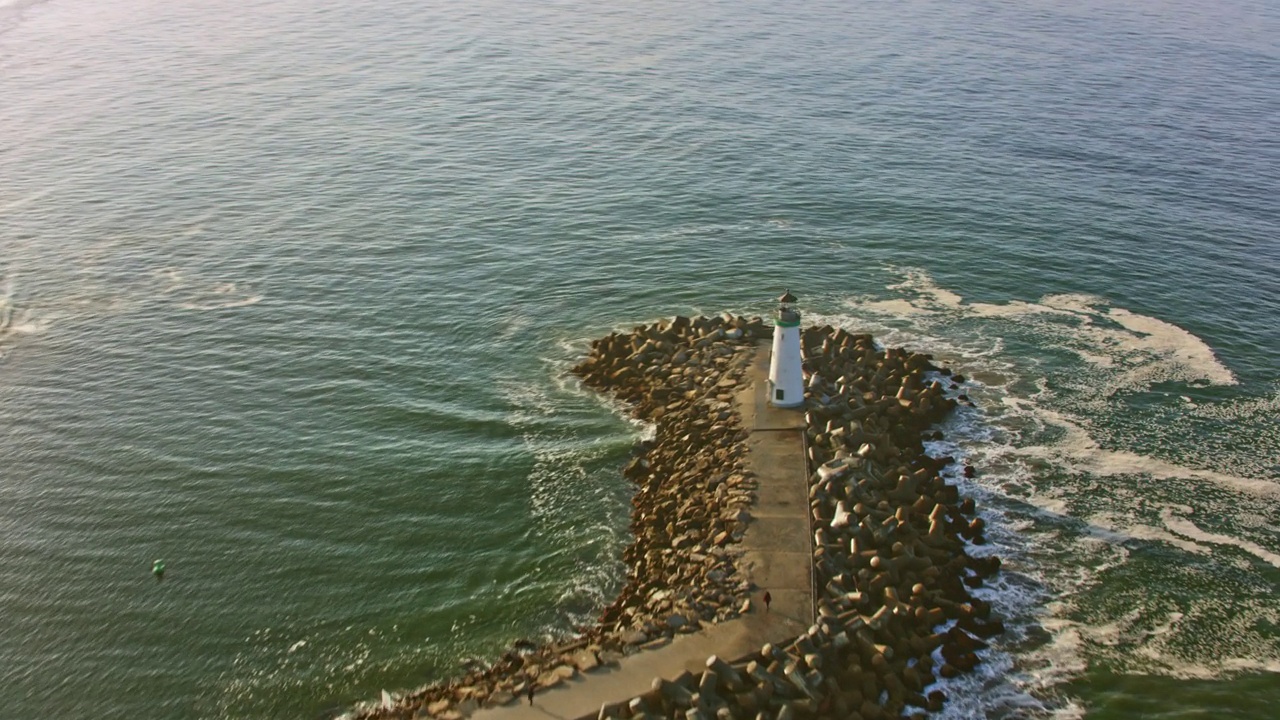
point(890, 563)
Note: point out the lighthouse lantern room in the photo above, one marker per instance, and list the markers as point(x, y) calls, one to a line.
point(786, 377)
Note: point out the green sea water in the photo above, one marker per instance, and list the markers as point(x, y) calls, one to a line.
point(289, 291)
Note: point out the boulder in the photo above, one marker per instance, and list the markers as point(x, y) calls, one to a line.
point(585, 661)
point(499, 698)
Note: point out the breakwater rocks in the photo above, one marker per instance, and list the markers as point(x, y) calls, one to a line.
point(690, 507)
point(693, 496)
point(889, 536)
point(892, 575)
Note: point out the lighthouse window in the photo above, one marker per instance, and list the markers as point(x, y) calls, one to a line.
point(777, 394)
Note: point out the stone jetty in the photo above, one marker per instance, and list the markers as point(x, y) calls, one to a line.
point(867, 560)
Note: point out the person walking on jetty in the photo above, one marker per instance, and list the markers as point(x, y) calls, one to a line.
point(530, 692)
point(767, 599)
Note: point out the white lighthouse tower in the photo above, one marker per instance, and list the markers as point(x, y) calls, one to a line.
point(786, 378)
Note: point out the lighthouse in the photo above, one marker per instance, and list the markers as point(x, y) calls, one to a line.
point(786, 378)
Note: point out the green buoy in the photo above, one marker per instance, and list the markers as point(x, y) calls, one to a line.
point(158, 569)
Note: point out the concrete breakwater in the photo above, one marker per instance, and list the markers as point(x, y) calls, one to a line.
point(890, 569)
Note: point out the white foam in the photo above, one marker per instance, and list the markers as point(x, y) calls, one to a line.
point(1096, 359)
point(1186, 528)
point(1171, 341)
point(930, 294)
point(1078, 303)
point(1106, 337)
point(1125, 529)
point(1152, 649)
point(897, 308)
point(1079, 452)
point(1063, 656)
point(1244, 409)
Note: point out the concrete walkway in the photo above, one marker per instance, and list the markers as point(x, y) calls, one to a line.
point(777, 557)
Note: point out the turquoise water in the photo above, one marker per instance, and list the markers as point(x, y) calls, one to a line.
point(288, 295)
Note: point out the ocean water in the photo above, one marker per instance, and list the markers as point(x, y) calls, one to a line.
point(288, 293)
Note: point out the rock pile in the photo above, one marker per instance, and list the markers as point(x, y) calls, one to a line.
point(892, 573)
point(692, 498)
point(690, 508)
point(891, 567)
